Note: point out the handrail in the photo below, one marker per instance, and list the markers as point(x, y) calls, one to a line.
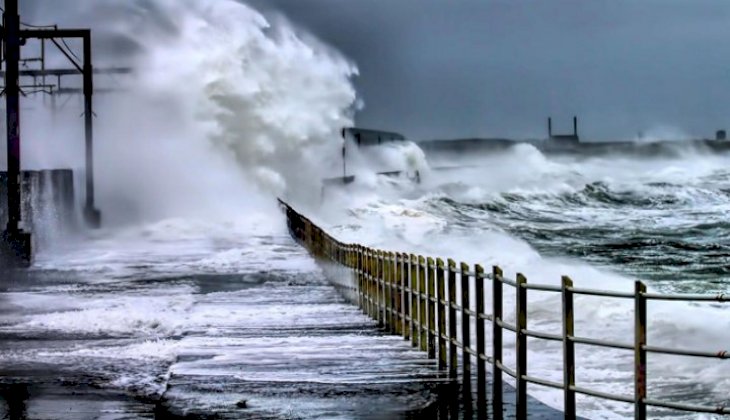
point(605, 293)
point(600, 343)
point(416, 297)
point(721, 297)
point(542, 287)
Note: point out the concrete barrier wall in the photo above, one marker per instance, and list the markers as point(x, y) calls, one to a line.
point(48, 199)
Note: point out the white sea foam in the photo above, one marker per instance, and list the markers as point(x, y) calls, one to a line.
point(425, 225)
point(160, 313)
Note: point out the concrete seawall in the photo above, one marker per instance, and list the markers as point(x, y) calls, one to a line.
point(47, 198)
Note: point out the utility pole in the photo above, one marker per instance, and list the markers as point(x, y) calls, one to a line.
point(16, 245)
point(91, 214)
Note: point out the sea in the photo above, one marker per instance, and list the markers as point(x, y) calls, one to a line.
point(193, 301)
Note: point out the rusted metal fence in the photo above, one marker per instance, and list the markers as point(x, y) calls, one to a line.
point(416, 297)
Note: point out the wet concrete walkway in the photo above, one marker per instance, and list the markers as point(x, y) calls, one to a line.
point(305, 353)
point(260, 344)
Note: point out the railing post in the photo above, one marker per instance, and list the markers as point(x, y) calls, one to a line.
point(422, 324)
point(404, 299)
point(465, 329)
point(358, 267)
point(361, 280)
point(393, 293)
point(395, 281)
point(387, 293)
point(381, 291)
point(568, 349)
point(496, 343)
point(440, 298)
point(481, 350)
point(413, 285)
point(371, 284)
point(355, 273)
point(521, 346)
point(374, 284)
point(453, 359)
point(430, 293)
point(366, 280)
point(640, 351)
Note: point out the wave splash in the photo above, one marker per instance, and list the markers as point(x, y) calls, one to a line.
point(224, 103)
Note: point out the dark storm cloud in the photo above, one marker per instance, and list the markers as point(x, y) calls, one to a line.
point(435, 68)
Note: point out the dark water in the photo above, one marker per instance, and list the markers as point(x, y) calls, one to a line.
point(660, 233)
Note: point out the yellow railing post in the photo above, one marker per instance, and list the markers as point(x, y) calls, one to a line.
point(521, 347)
point(422, 323)
point(496, 343)
point(371, 284)
point(363, 278)
point(453, 358)
point(431, 308)
point(639, 351)
point(374, 291)
point(405, 296)
point(479, 279)
point(380, 290)
point(387, 292)
point(372, 287)
point(374, 284)
point(394, 296)
point(440, 298)
point(360, 277)
point(413, 283)
point(398, 293)
point(465, 329)
point(568, 349)
point(393, 293)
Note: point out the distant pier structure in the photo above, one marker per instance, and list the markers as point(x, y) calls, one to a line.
point(564, 137)
point(15, 242)
point(369, 137)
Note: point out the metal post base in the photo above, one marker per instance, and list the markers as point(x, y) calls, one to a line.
point(15, 249)
point(92, 217)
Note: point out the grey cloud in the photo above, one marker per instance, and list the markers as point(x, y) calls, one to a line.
point(489, 68)
point(435, 68)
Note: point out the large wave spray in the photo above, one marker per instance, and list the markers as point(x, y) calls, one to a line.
point(224, 105)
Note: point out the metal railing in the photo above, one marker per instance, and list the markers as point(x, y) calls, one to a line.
point(416, 297)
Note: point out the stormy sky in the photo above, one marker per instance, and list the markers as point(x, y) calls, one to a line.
point(467, 68)
point(435, 68)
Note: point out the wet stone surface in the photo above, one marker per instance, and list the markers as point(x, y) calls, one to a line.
point(247, 343)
